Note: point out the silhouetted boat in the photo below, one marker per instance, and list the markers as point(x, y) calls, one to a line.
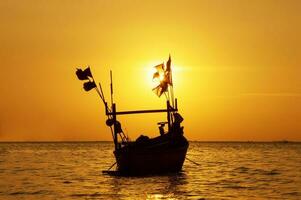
point(163, 154)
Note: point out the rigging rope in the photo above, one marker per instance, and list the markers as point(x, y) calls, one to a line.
point(192, 161)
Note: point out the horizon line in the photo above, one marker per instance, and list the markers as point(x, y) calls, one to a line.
point(203, 141)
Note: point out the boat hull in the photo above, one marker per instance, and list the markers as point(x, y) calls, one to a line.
point(158, 155)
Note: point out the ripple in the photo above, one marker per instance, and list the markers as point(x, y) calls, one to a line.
point(273, 172)
point(30, 193)
point(235, 187)
point(266, 172)
point(85, 194)
point(242, 169)
point(292, 193)
point(67, 182)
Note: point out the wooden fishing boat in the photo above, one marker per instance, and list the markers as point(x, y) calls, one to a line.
point(163, 154)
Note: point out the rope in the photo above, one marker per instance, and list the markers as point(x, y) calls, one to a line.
point(112, 166)
point(193, 161)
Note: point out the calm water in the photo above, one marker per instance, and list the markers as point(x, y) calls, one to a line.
point(226, 171)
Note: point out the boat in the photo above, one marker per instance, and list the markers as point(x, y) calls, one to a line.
point(163, 154)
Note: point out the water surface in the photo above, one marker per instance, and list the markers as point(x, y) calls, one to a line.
point(225, 171)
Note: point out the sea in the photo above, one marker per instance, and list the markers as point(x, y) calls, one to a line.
point(212, 170)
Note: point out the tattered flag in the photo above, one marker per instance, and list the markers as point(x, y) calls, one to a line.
point(160, 67)
point(156, 75)
point(167, 73)
point(164, 75)
point(161, 88)
point(83, 75)
point(89, 85)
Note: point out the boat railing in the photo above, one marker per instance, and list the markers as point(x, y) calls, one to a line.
point(169, 109)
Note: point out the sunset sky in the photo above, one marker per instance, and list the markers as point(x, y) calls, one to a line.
point(237, 67)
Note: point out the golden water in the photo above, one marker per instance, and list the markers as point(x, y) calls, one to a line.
point(226, 171)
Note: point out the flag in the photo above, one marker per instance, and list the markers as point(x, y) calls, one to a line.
point(161, 88)
point(160, 70)
point(160, 67)
point(83, 75)
point(156, 75)
point(168, 64)
point(167, 72)
point(89, 85)
point(164, 75)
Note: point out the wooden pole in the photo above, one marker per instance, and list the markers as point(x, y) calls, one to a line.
point(97, 90)
point(172, 96)
point(168, 116)
point(111, 77)
point(141, 111)
point(102, 94)
point(115, 131)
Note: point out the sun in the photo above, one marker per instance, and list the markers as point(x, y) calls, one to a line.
point(147, 72)
point(161, 77)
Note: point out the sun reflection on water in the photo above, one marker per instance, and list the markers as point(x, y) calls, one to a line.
point(160, 196)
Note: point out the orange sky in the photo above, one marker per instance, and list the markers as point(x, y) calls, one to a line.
point(237, 67)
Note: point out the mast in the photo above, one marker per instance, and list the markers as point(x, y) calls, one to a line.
point(114, 118)
point(168, 115)
point(111, 86)
point(115, 127)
